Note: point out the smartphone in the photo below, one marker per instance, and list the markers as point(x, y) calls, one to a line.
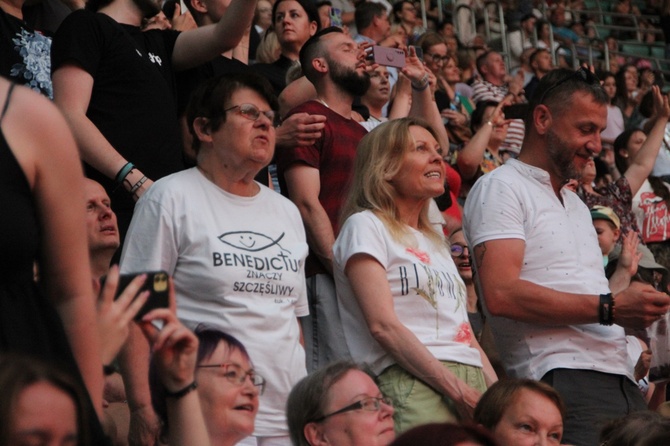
point(389, 57)
point(335, 17)
point(516, 111)
point(157, 285)
point(419, 52)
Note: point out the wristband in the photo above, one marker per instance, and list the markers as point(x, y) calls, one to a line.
point(606, 309)
point(137, 185)
point(123, 173)
point(422, 84)
point(183, 392)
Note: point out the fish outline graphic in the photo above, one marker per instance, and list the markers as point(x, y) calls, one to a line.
point(253, 241)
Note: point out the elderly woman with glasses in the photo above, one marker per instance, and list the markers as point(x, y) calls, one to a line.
point(340, 405)
point(402, 302)
point(235, 248)
point(227, 386)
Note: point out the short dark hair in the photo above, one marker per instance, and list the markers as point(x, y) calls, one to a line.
point(635, 428)
point(313, 49)
point(501, 395)
point(18, 372)
point(397, 7)
point(557, 87)
point(307, 5)
point(209, 339)
point(478, 114)
point(210, 99)
point(366, 12)
point(309, 397)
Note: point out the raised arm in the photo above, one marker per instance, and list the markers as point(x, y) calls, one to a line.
point(304, 186)
point(370, 285)
point(200, 45)
point(642, 164)
point(498, 265)
point(73, 87)
point(471, 156)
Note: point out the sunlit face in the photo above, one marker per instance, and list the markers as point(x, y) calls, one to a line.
point(434, 57)
point(609, 85)
point(574, 138)
point(463, 261)
point(532, 419)
point(240, 143)
point(292, 24)
point(356, 427)
point(379, 91)
point(102, 230)
point(421, 175)
point(44, 416)
point(451, 71)
point(608, 235)
point(229, 408)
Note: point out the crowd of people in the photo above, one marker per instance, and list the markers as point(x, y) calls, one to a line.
point(289, 222)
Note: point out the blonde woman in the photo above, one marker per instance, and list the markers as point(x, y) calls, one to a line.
point(402, 302)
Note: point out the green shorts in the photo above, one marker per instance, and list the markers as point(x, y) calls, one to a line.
point(416, 403)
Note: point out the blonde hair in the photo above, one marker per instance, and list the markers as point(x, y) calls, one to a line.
point(268, 50)
point(379, 157)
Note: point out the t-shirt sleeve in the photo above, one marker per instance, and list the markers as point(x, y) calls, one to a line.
point(493, 211)
point(151, 242)
point(79, 39)
point(362, 233)
point(309, 155)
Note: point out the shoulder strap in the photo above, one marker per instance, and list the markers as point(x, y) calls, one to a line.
point(6, 106)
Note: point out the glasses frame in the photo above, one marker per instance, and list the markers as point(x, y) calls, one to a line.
point(256, 379)
point(270, 114)
point(463, 248)
point(438, 58)
point(582, 74)
point(360, 405)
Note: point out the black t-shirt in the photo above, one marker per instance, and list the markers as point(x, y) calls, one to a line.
point(275, 72)
point(133, 98)
point(24, 54)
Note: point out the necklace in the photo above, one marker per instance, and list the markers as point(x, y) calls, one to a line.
point(322, 101)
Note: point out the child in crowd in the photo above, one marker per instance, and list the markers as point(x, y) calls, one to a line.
point(608, 228)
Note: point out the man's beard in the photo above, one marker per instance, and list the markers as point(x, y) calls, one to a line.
point(562, 159)
point(149, 8)
point(349, 79)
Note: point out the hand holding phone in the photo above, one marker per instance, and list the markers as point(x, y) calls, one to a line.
point(389, 57)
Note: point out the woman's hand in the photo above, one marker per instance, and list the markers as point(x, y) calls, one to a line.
point(414, 69)
point(661, 106)
point(455, 118)
point(174, 347)
point(115, 315)
point(465, 400)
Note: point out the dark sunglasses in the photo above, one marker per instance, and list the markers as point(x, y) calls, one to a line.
point(582, 74)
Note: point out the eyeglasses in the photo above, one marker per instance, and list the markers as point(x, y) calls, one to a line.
point(251, 112)
point(438, 57)
point(582, 74)
point(457, 249)
point(370, 404)
point(235, 374)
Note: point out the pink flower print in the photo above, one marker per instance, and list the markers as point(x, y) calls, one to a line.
point(422, 256)
point(464, 334)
